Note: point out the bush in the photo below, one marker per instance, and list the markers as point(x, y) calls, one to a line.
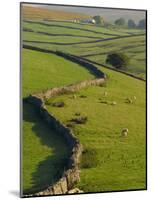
point(58, 104)
point(142, 24)
point(120, 22)
point(131, 23)
point(99, 20)
point(118, 60)
point(48, 102)
point(89, 158)
point(79, 120)
point(83, 96)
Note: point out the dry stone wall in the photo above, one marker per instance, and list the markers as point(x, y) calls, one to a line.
point(93, 69)
point(72, 173)
point(70, 88)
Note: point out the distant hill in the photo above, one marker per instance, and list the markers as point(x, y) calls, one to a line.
point(30, 12)
point(108, 14)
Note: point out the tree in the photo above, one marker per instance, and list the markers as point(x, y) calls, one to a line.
point(120, 22)
point(99, 20)
point(131, 23)
point(142, 24)
point(118, 60)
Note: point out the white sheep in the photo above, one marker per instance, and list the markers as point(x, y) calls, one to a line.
point(113, 103)
point(105, 94)
point(134, 97)
point(74, 96)
point(124, 132)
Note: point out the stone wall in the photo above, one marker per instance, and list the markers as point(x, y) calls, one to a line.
point(92, 68)
point(70, 88)
point(72, 173)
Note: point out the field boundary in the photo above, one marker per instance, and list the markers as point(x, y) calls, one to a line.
point(85, 42)
point(69, 27)
point(71, 175)
point(83, 62)
point(93, 69)
point(116, 70)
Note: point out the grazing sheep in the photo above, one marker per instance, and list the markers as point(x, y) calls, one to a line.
point(134, 97)
point(74, 96)
point(124, 132)
point(113, 103)
point(105, 94)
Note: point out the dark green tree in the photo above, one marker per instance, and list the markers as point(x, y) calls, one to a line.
point(131, 23)
point(142, 24)
point(120, 22)
point(118, 60)
point(99, 20)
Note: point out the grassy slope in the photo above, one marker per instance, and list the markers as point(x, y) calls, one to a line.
point(42, 71)
point(134, 47)
point(36, 77)
point(43, 162)
point(41, 146)
point(74, 26)
point(29, 12)
point(58, 39)
point(121, 161)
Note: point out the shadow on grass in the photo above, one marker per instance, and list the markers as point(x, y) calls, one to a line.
point(49, 170)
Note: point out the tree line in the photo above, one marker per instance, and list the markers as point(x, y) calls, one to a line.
point(121, 22)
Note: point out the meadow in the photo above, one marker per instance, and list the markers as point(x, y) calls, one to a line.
point(41, 145)
point(109, 162)
point(42, 71)
point(41, 152)
point(89, 41)
point(120, 161)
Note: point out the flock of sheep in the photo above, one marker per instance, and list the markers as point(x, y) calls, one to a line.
point(124, 131)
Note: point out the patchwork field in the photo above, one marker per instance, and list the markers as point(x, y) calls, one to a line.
point(40, 145)
point(117, 163)
point(89, 41)
point(109, 162)
point(29, 12)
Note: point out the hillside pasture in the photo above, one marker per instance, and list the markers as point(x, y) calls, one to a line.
point(29, 12)
point(42, 71)
point(43, 162)
point(89, 41)
point(120, 161)
point(110, 161)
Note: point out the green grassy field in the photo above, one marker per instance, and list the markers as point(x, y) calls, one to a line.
point(41, 146)
point(120, 161)
point(66, 36)
point(43, 162)
point(42, 71)
point(110, 162)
